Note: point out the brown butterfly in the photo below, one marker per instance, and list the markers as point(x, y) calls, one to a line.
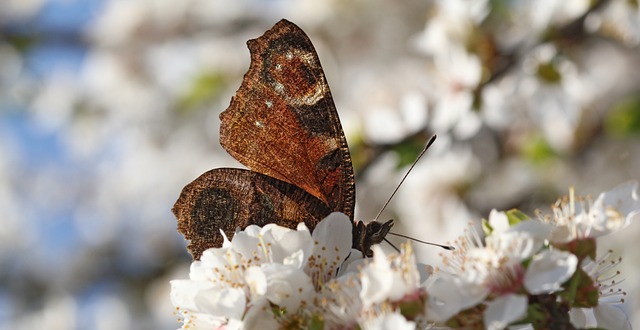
point(283, 125)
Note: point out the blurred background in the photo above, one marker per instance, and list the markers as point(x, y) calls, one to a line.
point(108, 108)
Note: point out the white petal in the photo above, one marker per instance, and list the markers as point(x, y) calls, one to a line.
point(291, 244)
point(611, 317)
point(279, 242)
point(578, 317)
point(246, 243)
point(392, 321)
point(287, 286)
point(234, 324)
point(217, 263)
point(613, 210)
point(296, 259)
point(548, 270)
point(256, 280)
point(183, 292)
point(448, 295)
point(377, 279)
point(271, 243)
point(225, 241)
point(259, 316)
point(334, 233)
point(228, 302)
point(561, 234)
point(504, 310)
point(352, 264)
point(538, 230)
point(332, 245)
point(498, 221)
point(513, 244)
point(343, 304)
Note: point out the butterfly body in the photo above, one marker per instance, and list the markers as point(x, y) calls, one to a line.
point(283, 125)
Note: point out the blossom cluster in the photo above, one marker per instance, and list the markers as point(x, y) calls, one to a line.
point(274, 277)
point(541, 272)
point(528, 272)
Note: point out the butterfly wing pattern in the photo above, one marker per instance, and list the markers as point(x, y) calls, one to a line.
point(227, 198)
point(283, 125)
point(282, 122)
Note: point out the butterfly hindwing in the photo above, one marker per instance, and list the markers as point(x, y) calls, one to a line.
point(226, 198)
point(283, 123)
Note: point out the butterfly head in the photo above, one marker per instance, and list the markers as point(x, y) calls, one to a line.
point(366, 235)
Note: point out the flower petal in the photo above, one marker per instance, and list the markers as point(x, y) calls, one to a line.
point(548, 270)
point(448, 294)
point(332, 246)
point(334, 232)
point(377, 279)
point(611, 317)
point(287, 286)
point(504, 310)
point(578, 317)
point(613, 210)
point(388, 321)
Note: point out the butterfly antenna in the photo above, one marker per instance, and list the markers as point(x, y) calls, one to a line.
point(393, 246)
point(433, 138)
point(446, 247)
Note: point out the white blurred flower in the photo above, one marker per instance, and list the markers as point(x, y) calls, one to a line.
point(553, 93)
point(579, 218)
point(13, 10)
point(451, 26)
point(527, 20)
point(619, 19)
point(389, 124)
point(457, 73)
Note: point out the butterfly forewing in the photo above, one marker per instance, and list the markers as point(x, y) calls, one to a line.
point(283, 123)
point(226, 198)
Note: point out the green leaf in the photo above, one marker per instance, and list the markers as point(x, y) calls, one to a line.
point(546, 312)
point(580, 290)
point(411, 309)
point(486, 227)
point(535, 315)
point(516, 216)
point(316, 323)
point(624, 118)
point(537, 150)
point(549, 73)
point(408, 151)
point(204, 88)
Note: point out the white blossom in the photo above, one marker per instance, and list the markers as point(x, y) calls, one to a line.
point(579, 218)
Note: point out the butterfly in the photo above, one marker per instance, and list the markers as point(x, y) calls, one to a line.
point(282, 124)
